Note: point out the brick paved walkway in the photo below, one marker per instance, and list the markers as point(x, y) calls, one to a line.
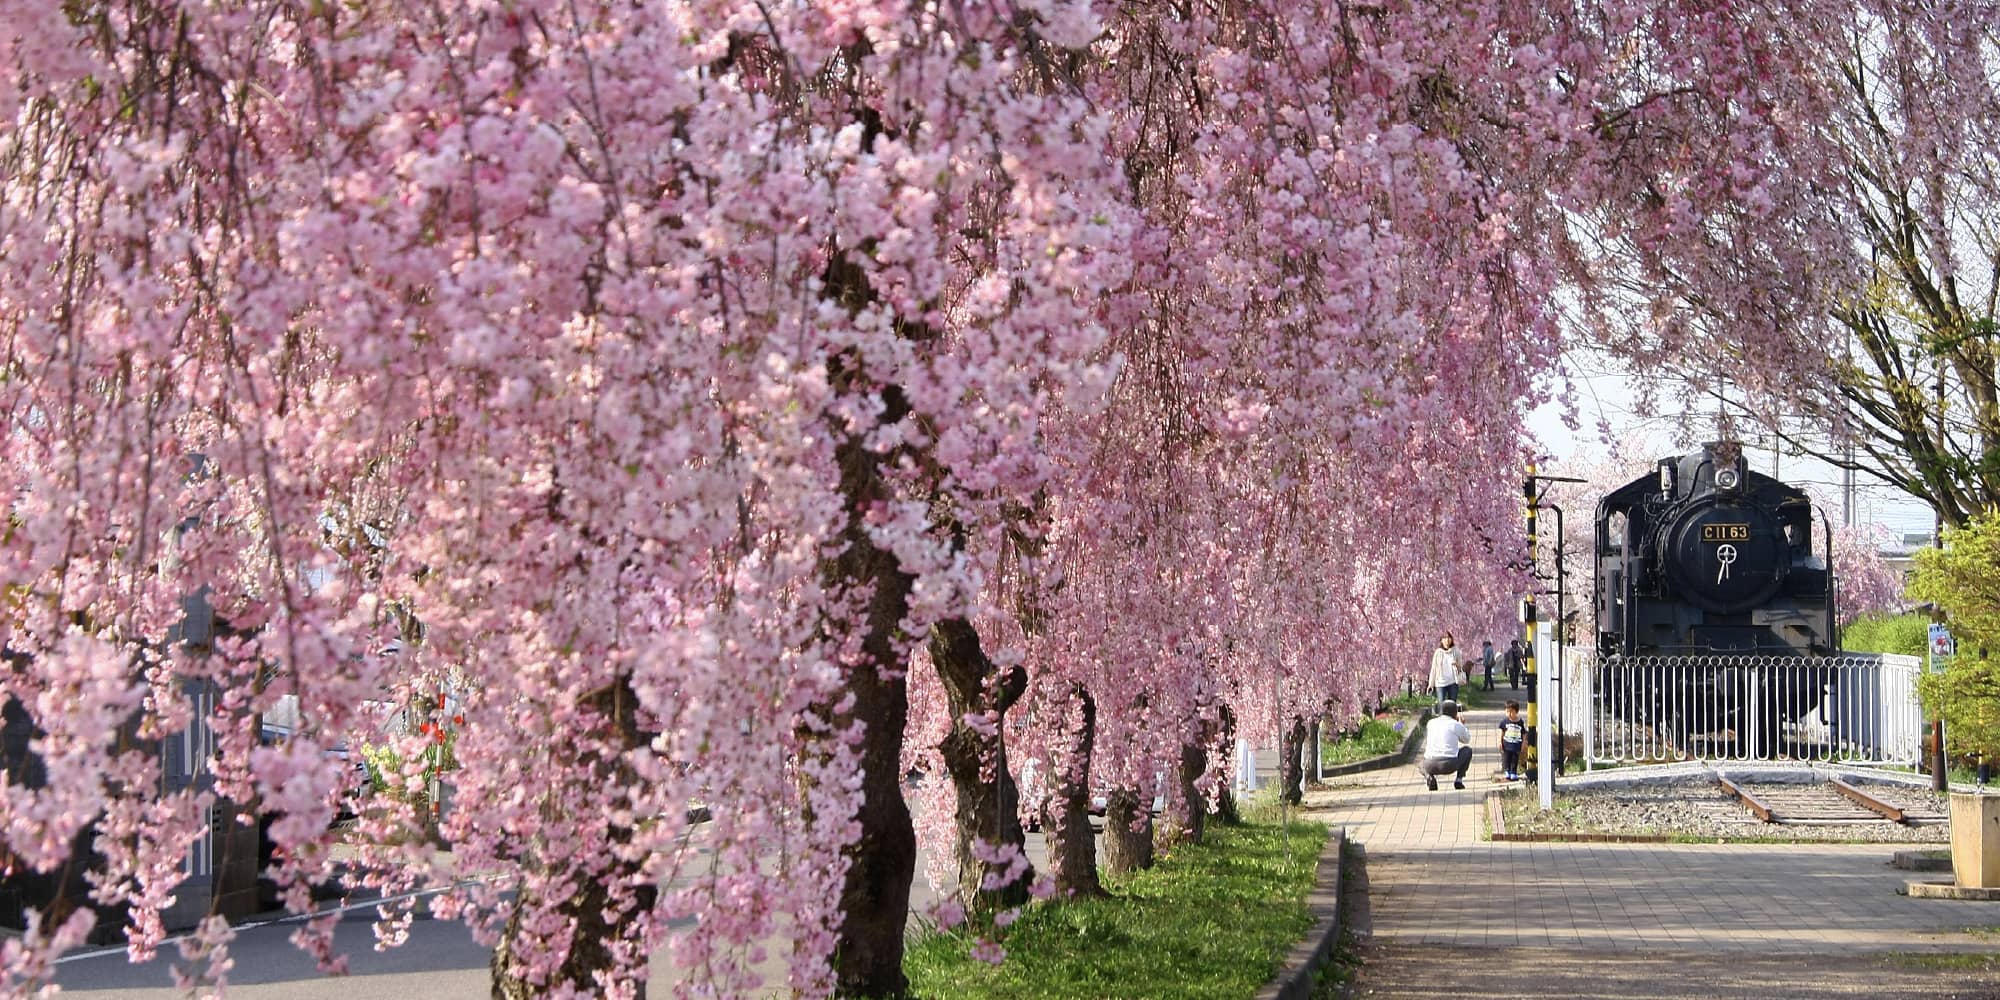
point(1435, 885)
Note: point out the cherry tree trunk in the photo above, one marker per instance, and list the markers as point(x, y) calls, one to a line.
point(1313, 749)
point(882, 860)
point(1072, 845)
point(1188, 812)
point(590, 958)
point(1291, 774)
point(602, 923)
point(1225, 797)
point(1127, 849)
point(988, 801)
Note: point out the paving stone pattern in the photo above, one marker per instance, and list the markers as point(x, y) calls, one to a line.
point(1413, 971)
point(1451, 914)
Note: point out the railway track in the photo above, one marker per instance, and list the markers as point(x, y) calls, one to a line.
point(1920, 806)
point(1831, 802)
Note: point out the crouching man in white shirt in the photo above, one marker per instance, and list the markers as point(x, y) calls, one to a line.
point(1447, 747)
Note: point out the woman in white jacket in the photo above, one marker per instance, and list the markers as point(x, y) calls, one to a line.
point(1446, 667)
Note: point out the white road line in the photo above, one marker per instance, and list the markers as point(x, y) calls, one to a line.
point(288, 918)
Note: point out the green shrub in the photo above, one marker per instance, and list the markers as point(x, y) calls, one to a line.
point(383, 761)
point(1963, 580)
point(1877, 633)
point(1967, 694)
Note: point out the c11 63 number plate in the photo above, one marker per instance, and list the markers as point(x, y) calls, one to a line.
point(1722, 531)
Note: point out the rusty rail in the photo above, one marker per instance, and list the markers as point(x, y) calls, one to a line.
point(1758, 809)
point(1869, 802)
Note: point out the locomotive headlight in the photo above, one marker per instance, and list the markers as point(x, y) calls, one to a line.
point(1725, 479)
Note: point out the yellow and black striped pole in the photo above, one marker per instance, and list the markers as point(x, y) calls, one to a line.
point(1528, 754)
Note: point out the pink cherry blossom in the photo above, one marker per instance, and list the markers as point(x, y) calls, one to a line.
point(561, 367)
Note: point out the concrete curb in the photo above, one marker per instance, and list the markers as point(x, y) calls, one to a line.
point(1386, 760)
point(1937, 890)
point(1581, 838)
point(1922, 860)
point(1299, 976)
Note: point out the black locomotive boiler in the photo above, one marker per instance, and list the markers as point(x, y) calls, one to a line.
point(1712, 599)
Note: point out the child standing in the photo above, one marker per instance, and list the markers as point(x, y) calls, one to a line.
point(1513, 735)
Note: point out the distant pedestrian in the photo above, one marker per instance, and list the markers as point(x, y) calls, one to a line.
point(1446, 666)
point(1447, 747)
point(1486, 659)
point(1513, 736)
point(1514, 658)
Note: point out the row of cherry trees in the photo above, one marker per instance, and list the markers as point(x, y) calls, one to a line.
point(743, 403)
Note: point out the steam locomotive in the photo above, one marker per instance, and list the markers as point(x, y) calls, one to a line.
point(1715, 566)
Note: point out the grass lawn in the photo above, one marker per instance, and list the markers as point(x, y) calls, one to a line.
point(1208, 922)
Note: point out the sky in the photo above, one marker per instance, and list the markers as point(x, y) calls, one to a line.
point(1605, 396)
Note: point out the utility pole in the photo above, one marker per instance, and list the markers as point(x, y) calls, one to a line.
point(1847, 487)
point(1940, 760)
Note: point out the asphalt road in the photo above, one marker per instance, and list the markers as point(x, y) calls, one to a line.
point(439, 960)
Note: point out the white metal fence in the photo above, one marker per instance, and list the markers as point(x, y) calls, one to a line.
point(1853, 709)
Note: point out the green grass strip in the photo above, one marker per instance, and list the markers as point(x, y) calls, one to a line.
point(1373, 738)
point(1208, 922)
point(1968, 961)
point(1411, 703)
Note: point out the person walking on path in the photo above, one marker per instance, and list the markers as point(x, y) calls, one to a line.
point(1445, 670)
point(1447, 747)
point(1514, 664)
point(1486, 659)
point(1513, 736)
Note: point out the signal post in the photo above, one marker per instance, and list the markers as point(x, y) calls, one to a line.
point(1531, 752)
point(1538, 748)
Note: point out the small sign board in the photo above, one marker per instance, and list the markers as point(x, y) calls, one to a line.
point(1942, 646)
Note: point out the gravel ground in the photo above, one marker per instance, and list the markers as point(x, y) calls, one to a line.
point(1696, 808)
